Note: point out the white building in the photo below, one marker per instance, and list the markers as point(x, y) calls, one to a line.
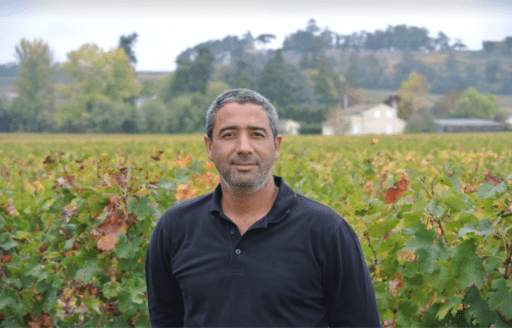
point(290, 127)
point(364, 119)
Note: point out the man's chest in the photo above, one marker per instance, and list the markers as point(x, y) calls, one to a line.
point(261, 263)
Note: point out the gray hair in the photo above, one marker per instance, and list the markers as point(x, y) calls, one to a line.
point(241, 96)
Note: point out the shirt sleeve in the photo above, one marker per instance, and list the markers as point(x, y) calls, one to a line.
point(165, 301)
point(347, 282)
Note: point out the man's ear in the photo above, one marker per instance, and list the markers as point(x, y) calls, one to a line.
point(277, 145)
point(208, 144)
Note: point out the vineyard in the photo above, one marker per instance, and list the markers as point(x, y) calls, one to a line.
point(433, 215)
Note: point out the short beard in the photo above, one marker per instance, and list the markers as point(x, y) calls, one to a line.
point(245, 188)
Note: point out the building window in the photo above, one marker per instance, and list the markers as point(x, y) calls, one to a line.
point(377, 114)
point(356, 129)
point(389, 113)
point(328, 131)
point(389, 129)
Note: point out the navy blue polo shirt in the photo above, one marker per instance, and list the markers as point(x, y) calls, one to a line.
point(299, 266)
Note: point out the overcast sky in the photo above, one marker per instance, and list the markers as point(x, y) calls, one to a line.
point(165, 28)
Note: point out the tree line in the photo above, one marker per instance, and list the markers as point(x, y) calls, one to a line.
point(92, 91)
point(363, 57)
point(399, 38)
point(96, 90)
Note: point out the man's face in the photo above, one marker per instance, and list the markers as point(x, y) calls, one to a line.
point(242, 147)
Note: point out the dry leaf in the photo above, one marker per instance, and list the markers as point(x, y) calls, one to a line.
point(48, 161)
point(393, 193)
point(46, 320)
point(108, 242)
point(185, 160)
point(155, 154)
point(495, 180)
point(109, 235)
point(374, 141)
point(182, 191)
point(6, 259)
point(469, 189)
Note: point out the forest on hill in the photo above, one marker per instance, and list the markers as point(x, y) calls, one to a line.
point(378, 60)
point(307, 78)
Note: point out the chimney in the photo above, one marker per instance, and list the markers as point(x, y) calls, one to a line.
point(345, 101)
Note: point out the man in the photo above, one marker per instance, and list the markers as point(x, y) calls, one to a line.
point(254, 253)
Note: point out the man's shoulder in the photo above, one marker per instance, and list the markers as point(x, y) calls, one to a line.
point(190, 208)
point(320, 212)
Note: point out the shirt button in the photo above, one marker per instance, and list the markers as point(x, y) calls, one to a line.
point(238, 251)
point(233, 231)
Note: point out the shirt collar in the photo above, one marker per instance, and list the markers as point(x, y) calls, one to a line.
point(284, 201)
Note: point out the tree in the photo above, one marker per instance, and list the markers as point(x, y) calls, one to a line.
point(508, 43)
point(412, 93)
point(36, 94)
point(409, 64)
point(442, 42)
point(157, 117)
point(93, 72)
point(473, 77)
point(98, 81)
point(300, 41)
point(371, 73)
point(9, 69)
point(201, 70)
point(325, 84)
point(421, 124)
point(312, 27)
point(109, 116)
point(191, 76)
point(187, 112)
point(473, 104)
point(126, 43)
point(458, 45)
point(492, 71)
point(272, 82)
point(352, 74)
point(10, 120)
point(400, 38)
point(354, 41)
point(506, 87)
point(227, 49)
point(245, 81)
point(265, 38)
point(489, 46)
point(452, 79)
point(446, 104)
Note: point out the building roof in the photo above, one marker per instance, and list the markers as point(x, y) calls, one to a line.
point(465, 122)
point(287, 122)
point(358, 109)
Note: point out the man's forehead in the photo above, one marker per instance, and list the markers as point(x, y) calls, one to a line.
point(244, 104)
point(236, 110)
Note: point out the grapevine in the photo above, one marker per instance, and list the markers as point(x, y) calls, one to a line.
point(433, 215)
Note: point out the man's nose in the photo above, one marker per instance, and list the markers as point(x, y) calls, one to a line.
point(244, 144)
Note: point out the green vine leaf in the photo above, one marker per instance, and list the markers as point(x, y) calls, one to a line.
point(489, 190)
point(500, 298)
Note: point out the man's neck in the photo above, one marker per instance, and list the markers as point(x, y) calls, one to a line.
point(244, 209)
